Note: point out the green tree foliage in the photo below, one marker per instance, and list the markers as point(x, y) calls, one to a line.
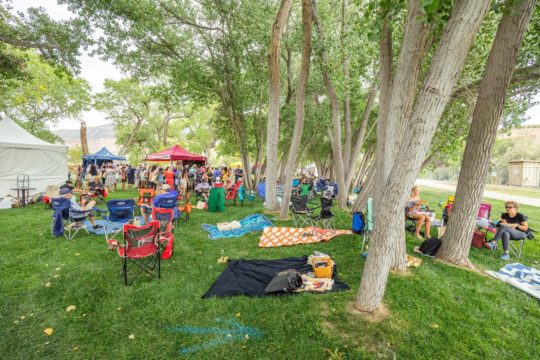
point(43, 97)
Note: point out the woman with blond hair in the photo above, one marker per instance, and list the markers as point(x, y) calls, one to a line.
point(513, 226)
point(415, 212)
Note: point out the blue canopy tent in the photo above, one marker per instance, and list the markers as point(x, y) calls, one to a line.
point(103, 155)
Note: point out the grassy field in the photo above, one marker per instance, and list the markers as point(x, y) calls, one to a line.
point(436, 312)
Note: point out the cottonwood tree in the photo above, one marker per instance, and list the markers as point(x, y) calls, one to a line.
point(444, 70)
point(485, 121)
point(300, 107)
point(278, 28)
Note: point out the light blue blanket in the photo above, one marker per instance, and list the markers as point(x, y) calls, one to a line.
point(254, 222)
point(524, 278)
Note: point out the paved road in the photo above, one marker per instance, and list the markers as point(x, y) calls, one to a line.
point(487, 194)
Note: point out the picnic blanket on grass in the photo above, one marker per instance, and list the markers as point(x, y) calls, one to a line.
point(103, 223)
point(251, 277)
point(286, 236)
point(254, 222)
point(524, 278)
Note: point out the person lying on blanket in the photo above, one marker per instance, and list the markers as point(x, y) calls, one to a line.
point(513, 226)
point(147, 209)
point(68, 194)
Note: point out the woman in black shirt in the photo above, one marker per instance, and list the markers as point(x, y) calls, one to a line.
point(513, 226)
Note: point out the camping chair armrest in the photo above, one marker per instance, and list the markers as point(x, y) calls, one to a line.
point(80, 213)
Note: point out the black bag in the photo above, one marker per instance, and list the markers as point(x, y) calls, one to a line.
point(284, 282)
point(430, 247)
point(530, 234)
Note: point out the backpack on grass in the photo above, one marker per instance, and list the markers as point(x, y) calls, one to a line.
point(430, 246)
point(358, 222)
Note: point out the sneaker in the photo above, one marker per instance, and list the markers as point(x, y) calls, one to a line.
point(505, 257)
point(492, 245)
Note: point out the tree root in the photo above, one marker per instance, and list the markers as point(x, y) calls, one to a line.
point(375, 316)
point(464, 264)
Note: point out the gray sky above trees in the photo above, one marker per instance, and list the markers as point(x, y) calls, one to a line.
point(95, 71)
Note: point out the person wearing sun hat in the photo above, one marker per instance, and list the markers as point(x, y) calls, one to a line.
point(67, 193)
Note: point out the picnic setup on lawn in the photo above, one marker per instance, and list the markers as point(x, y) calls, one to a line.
point(279, 179)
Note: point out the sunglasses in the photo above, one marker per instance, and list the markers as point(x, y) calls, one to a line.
point(508, 207)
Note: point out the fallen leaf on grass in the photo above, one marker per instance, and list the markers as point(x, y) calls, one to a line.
point(48, 285)
point(119, 308)
point(70, 308)
point(48, 331)
point(77, 254)
point(16, 322)
point(23, 317)
point(57, 269)
point(131, 337)
point(435, 326)
point(56, 276)
point(237, 314)
point(223, 260)
point(75, 348)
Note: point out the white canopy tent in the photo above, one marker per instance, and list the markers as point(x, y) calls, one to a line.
point(23, 153)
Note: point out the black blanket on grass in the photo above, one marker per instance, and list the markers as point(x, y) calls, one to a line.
point(250, 277)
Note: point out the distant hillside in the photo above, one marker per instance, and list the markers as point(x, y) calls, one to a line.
point(531, 131)
point(98, 137)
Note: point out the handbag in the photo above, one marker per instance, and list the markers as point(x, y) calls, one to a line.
point(284, 282)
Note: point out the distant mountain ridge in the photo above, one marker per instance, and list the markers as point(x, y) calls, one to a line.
point(98, 137)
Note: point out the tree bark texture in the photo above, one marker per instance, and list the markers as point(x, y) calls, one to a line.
point(335, 117)
point(84, 139)
point(385, 84)
point(445, 68)
point(401, 102)
point(300, 108)
point(486, 116)
point(278, 29)
point(346, 98)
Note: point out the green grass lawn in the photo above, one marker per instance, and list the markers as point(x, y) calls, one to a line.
point(438, 311)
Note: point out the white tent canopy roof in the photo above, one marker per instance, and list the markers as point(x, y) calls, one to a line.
point(23, 153)
point(12, 135)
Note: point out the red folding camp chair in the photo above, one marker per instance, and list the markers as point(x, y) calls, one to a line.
point(231, 193)
point(166, 237)
point(140, 248)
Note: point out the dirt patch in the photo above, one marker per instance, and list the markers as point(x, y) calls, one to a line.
point(378, 315)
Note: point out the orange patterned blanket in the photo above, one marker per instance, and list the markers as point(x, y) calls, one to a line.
point(286, 236)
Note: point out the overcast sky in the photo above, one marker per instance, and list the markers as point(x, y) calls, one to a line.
point(95, 71)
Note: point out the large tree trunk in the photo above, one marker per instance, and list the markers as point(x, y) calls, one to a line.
point(300, 108)
point(84, 140)
point(487, 113)
point(336, 123)
point(273, 106)
point(385, 80)
point(346, 98)
point(443, 74)
point(401, 102)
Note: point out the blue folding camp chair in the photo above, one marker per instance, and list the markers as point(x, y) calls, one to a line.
point(65, 220)
point(170, 203)
point(119, 213)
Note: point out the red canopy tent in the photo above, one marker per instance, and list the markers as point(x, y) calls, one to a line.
point(175, 153)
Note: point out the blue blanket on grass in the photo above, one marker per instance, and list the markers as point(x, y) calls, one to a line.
point(524, 278)
point(103, 223)
point(254, 222)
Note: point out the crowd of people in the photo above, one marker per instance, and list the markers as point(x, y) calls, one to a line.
point(183, 178)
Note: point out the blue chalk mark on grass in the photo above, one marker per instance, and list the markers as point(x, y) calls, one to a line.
point(235, 332)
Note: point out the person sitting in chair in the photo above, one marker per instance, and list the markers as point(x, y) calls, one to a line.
point(68, 194)
point(415, 212)
point(202, 189)
point(513, 226)
point(168, 193)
